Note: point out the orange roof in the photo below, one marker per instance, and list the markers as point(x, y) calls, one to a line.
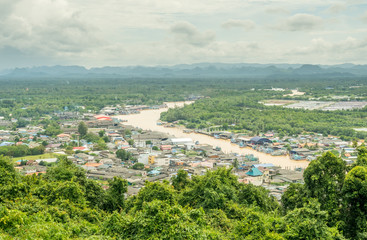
point(93, 164)
point(63, 135)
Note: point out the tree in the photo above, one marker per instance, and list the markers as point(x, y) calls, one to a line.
point(235, 163)
point(354, 205)
point(250, 194)
point(309, 222)
point(212, 190)
point(131, 142)
point(116, 194)
point(52, 129)
point(295, 197)
point(91, 137)
point(155, 191)
point(361, 157)
point(324, 179)
point(95, 195)
point(101, 133)
point(65, 170)
point(138, 166)
point(100, 145)
point(123, 154)
point(82, 129)
point(7, 172)
point(180, 181)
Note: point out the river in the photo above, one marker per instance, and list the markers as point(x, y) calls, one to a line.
point(147, 120)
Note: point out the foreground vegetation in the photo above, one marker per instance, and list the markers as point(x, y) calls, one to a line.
point(64, 204)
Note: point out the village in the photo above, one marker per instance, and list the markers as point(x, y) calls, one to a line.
point(139, 155)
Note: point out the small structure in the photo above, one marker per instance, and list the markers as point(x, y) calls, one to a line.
point(254, 172)
point(166, 147)
point(259, 141)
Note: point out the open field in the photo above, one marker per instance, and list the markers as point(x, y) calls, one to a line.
point(35, 157)
point(316, 105)
point(275, 102)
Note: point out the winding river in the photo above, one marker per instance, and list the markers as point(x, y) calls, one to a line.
point(147, 120)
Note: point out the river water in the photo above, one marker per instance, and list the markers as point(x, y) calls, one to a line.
point(147, 120)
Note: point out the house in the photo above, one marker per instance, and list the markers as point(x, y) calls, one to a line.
point(166, 147)
point(80, 148)
point(162, 161)
point(259, 141)
point(64, 137)
point(254, 172)
point(181, 141)
point(154, 173)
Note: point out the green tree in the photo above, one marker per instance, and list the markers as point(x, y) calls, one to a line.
point(361, 157)
point(155, 191)
point(138, 166)
point(309, 222)
point(295, 197)
point(324, 179)
point(131, 142)
point(123, 154)
point(101, 133)
point(53, 129)
point(354, 205)
point(7, 172)
point(100, 145)
point(181, 180)
point(116, 194)
point(82, 129)
point(250, 194)
point(212, 190)
point(65, 170)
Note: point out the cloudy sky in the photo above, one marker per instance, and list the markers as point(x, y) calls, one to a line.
point(166, 32)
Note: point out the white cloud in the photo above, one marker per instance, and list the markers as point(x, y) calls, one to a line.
point(47, 27)
point(337, 8)
point(347, 50)
point(237, 23)
point(276, 10)
point(364, 17)
point(301, 22)
point(129, 32)
point(186, 33)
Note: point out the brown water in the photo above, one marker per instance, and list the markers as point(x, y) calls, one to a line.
point(147, 120)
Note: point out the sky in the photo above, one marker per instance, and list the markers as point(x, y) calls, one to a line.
point(99, 33)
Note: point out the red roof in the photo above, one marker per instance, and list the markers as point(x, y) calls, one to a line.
point(79, 148)
point(102, 117)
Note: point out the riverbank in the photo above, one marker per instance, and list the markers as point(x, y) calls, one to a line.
point(147, 120)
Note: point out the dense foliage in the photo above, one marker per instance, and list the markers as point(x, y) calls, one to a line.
point(246, 113)
point(64, 204)
point(21, 150)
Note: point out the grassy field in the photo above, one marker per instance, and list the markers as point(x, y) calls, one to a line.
point(35, 157)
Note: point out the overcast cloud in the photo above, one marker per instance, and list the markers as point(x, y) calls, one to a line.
point(159, 32)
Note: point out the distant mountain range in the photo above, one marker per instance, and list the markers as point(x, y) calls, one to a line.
point(192, 70)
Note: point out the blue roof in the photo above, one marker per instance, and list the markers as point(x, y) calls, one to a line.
point(255, 139)
point(254, 172)
point(154, 172)
point(6, 144)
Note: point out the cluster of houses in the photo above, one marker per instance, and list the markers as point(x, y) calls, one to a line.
point(301, 147)
point(162, 155)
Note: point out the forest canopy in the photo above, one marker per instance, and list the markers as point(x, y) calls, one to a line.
point(65, 204)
